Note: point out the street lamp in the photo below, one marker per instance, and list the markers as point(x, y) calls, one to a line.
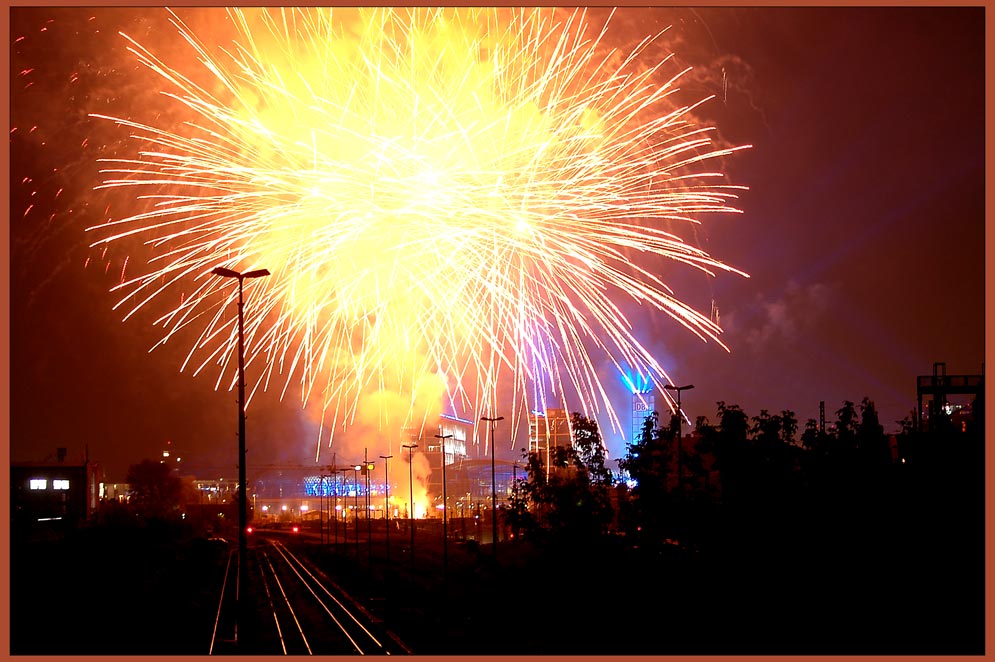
point(335, 504)
point(367, 469)
point(493, 426)
point(386, 501)
point(445, 536)
point(411, 502)
point(355, 486)
point(243, 562)
point(680, 415)
point(515, 496)
point(321, 510)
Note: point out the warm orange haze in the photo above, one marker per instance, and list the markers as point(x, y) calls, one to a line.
point(476, 330)
point(450, 203)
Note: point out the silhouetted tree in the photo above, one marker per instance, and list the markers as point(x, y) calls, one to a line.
point(815, 439)
point(580, 503)
point(766, 430)
point(908, 438)
point(871, 440)
point(976, 426)
point(846, 426)
point(705, 447)
point(517, 512)
point(732, 451)
point(771, 459)
point(647, 461)
point(789, 427)
point(533, 492)
point(571, 497)
point(590, 449)
point(155, 489)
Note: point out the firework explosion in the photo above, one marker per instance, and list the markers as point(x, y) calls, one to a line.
point(447, 200)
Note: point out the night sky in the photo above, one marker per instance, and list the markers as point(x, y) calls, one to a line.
point(862, 231)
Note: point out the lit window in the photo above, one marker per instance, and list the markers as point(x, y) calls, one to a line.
point(58, 484)
point(39, 484)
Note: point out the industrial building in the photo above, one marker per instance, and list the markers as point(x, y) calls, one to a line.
point(54, 493)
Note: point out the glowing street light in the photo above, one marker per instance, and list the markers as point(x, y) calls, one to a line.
point(367, 470)
point(445, 506)
point(321, 509)
point(411, 502)
point(243, 562)
point(386, 501)
point(680, 415)
point(335, 503)
point(493, 425)
point(355, 486)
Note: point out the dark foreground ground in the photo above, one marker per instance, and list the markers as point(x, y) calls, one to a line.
point(102, 593)
point(904, 577)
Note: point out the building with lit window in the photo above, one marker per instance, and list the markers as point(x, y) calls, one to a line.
point(447, 445)
point(469, 483)
point(643, 406)
point(933, 393)
point(54, 492)
point(547, 430)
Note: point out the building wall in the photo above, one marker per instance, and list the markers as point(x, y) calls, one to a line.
point(54, 492)
point(643, 405)
point(549, 429)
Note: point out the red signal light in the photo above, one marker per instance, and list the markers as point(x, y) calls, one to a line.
point(296, 528)
point(248, 529)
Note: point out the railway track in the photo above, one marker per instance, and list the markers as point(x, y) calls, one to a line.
point(292, 609)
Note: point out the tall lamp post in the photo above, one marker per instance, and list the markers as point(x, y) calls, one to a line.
point(355, 486)
point(445, 506)
point(243, 567)
point(367, 470)
point(411, 502)
point(321, 510)
point(680, 415)
point(386, 501)
point(335, 505)
point(493, 425)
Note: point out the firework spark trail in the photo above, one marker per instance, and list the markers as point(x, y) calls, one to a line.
point(447, 194)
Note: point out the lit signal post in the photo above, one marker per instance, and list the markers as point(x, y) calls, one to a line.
point(243, 562)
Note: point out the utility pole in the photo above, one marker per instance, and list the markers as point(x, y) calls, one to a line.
point(411, 502)
point(445, 506)
point(367, 468)
point(386, 502)
point(321, 510)
point(355, 486)
point(332, 470)
point(335, 504)
point(492, 424)
point(243, 545)
point(680, 415)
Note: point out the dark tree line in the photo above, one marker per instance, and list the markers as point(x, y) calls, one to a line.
point(758, 534)
point(762, 475)
point(157, 496)
point(569, 498)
